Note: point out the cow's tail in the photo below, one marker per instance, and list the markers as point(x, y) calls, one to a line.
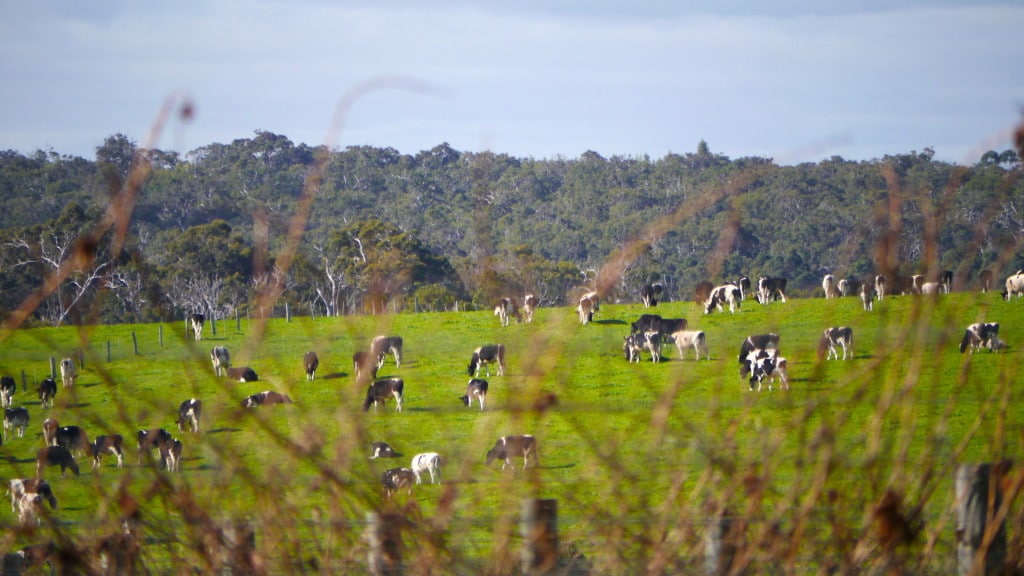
point(965, 342)
point(473, 363)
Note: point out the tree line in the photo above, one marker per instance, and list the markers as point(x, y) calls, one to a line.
point(373, 229)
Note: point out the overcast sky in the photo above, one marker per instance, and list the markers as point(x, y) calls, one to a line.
point(795, 81)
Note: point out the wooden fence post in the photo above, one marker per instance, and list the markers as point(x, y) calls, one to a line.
point(135, 343)
point(238, 321)
point(980, 544)
point(539, 529)
point(24, 382)
point(81, 358)
point(108, 351)
point(213, 324)
point(53, 367)
point(160, 334)
point(384, 535)
point(287, 313)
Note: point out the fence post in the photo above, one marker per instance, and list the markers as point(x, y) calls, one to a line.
point(213, 324)
point(53, 367)
point(287, 313)
point(135, 343)
point(384, 534)
point(539, 529)
point(24, 382)
point(980, 546)
point(108, 351)
point(160, 334)
point(81, 358)
point(238, 321)
point(722, 540)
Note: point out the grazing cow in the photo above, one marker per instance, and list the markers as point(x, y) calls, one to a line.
point(508, 447)
point(1015, 285)
point(828, 284)
point(485, 356)
point(7, 389)
point(981, 335)
point(505, 309)
point(47, 392)
point(721, 295)
point(946, 281)
point(364, 367)
point(16, 419)
point(149, 439)
point(755, 343)
point(633, 345)
point(112, 444)
point(55, 456)
point(266, 398)
point(836, 336)
point(646, 323)
point(589, 305)
point(27, 509)
point(68, 372)
point(73, 438)
point(429, 462)
point(221, 359)
point(189, 412)
point(170, 455)
point(769, 288)
point(381, 345)
point(197, 325)
point(530, 305)
point(242, 374)
point(690, 339)
point(868, 293)
point(381, 390)
point(310, 362)
point(18, 487)
point(394, 479)
point(475, 390)
point(702, 292)
point(50, 432)
point(382, 450)
point(649, 294)
point(986, 277)
point(767, 365)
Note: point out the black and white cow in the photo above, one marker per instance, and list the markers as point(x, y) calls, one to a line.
point(771, 288)
point(849, 287)
point(767, 365)
point(107, 444)
point(266, 398)
point(55, 456)
point(649, 294)
point(1015, 285)
point(381, 345)
point(833, 337)
point(508, 447)
point(381, 390)
point(880, 286)
point(685, 339)
point(382, 450)
point(221, 359)
point(744, 285)
point(868, 294)
point(982, 335)
point(485, 356)
point(589, 305)
point(946, 281)
point(986, 278)
point(636, 343)
point(68, 372)
point(475, 390)
point(505, 309)
point(395, 479)
point(50, 426)
point(828, 284)
point(7, 389)
point(310, 361)
point(916, 283)
point(189, 412)
point(364, 366)
point(197, 321)
point(721, 295)
point(755, 343)
point(530, 305)
point(18, 487)
point(47, 392)
point(73, 438)
point(153, 438)
point(427, 463)
point(170, 454)
point(242, 374)
point(15, 419)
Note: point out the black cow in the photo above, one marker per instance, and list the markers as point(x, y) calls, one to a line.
point(55, 456)
point(221, 359)
point(73, 438)
point(649, 294)
point(47, 392)
point(475, 390)
point(646, 323)
point(485, 356)
point(381, 390)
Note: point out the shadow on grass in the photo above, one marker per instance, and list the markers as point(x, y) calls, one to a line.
point(223, 430)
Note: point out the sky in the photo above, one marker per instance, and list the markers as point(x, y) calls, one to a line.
point(795, 81)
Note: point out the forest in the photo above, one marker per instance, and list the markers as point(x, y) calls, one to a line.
point(139, 235)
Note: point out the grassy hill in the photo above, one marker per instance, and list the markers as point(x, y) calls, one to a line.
point(639, 456)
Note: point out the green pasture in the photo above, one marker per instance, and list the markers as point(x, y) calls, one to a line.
point(639, 456)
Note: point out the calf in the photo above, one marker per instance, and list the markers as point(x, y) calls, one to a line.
point(828, 284)
point(981, 335)
point(836, 336)
point(266, 398)
point(47, 392)
point(310, 362)
point(589, 305)
point(7, 389)
point(50, 432)
point(55, 456)
point(725, 294)
point(73, 438)
point(170, 455)
point(508, 447)
point(382, 450)
point(649, 294)
point(429, 462)
point(364, 367)
point(769, 288)
point(381, 345)
point(767, 365)
point(242, 374)
point(197, 321)
point(112, 444)
point(395, 479)
point(485, 356)
point(475, 390)
point(690, 339)
point(221, 359)
point(381, 390)
point(505, 309)
point(16, 419)
point(18, 487)
point(633, 346)
point(530, 305)
point(755, 343)
point(68, 372)
point(189, 412)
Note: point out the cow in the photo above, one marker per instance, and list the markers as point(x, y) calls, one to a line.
point(981, 335)
point(725, 294)
point(18, 487)
point(394, 479)
point(946, 281)
point(68, 372)
point(112, 444)
point(485, 356)
point(381, 345)
point(589, 305)
point(475, 390)
point(916, 283)
point(633, 346)
point(382, 450)
point(47, 392)
point(880, 286)
point(849, 287)
point(868, 293)
point(505, 309)
point(310, 362)
point(221, 359)
point(170, 454)
point(197, 321)
point(695, 339)
point(702, 292)
point(836, 336)
point(932, 288)
point(50, 426)
point(189, 412)
point(242, 374)
point(363, 366)
point(896, 284)
point(381, 390)
point(73, 438)
point(266, 398)
point(744, 285)
point(530, 305)
point(649, 294)
point(828, 284)
point(986, 277)
point(153, 438)
point(646, 323)
point(27, 509)
point(55, 456)
point(15, 419)
point(1015, 285)
point(508, 447)
point(36, 556)
point(766, 364)
point(755, 343)
point(7, 389)
point(428, 462)
point(769, 288)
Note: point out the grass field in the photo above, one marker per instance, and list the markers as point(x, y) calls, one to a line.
point(641, 457)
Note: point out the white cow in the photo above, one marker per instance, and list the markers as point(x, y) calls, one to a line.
point(828, 284)
point(68, 372)
point(1015, 285)
point(691, 339)
point(427, 462)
